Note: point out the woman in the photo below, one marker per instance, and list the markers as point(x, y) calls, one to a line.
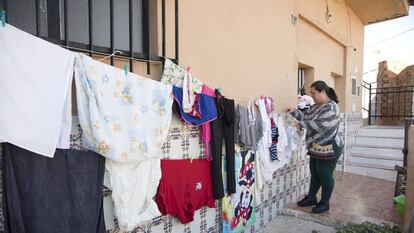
point(322, 123)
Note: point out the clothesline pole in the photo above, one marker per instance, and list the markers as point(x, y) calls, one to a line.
point(37, 18)
point(176, 31)
point(5, 9)
point(163, 26)
point(131, 37)
point(111, 27)
point(90, 25)
point(65, 9)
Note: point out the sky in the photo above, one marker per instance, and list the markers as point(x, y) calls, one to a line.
point(392, 40)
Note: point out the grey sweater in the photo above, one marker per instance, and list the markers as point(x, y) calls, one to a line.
point(321, 121)
point(247, 135)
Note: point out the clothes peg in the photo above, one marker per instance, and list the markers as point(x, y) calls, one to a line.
point(3, 18)
point(126, 69)
point(191, 157)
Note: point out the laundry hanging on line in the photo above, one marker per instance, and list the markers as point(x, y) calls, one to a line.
point(48, 195)
point(105, 98)
point(126, 119)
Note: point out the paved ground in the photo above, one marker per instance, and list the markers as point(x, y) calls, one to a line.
point(289, 224)
point(355, 199)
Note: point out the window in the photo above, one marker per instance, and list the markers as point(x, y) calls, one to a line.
point(301, 81)
point(354, 86)
point(97, 26)
point(51, 16)
point(306, 76)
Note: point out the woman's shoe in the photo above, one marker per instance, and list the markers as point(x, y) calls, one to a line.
point(321, 207)
point(307, 201)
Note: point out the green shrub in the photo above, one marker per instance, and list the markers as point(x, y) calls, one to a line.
point(368, 227)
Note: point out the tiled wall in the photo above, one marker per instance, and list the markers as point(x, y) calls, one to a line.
point(350, 124)
point(289, 183)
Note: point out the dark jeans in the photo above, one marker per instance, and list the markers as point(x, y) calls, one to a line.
point(322, 175)
point(49, 195)
point(223, 126)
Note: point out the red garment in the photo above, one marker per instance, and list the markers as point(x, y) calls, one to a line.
point(185, 187)
point(195, 109)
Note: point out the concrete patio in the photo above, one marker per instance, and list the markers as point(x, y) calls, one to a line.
point(356, 199)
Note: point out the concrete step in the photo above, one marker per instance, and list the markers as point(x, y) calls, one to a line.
point(376, 156)
point(339, 164)
point(379, 142)
point(383, 153)
point(392, 132)
point(366, 165)
point(383, 127)
point(374, 162)
point(371, 171)
point(377, 149)
point(338, 167)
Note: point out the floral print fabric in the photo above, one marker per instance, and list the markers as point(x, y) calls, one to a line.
point(124, 117)
point(174, 74)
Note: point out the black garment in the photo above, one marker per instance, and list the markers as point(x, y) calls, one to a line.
point(322, 175)
point(49, 195)
point(223, 126)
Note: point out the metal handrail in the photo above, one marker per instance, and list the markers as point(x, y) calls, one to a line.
point(393, 93)
point(368, 86)
point(411, 225)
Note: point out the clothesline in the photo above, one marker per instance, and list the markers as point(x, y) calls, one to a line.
point(112, 55)
point(127, 120)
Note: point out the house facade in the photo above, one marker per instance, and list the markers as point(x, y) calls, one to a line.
point(248, 49)
point(273, 47)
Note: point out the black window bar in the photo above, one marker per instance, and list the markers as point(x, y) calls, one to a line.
point(301, 81)
point(54, 18)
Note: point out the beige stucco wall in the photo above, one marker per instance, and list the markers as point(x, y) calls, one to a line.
point(330, 54)
point(333, 49)
point(254, 48)
point(246, 48)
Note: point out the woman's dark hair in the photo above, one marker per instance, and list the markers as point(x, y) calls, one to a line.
point(322, 86)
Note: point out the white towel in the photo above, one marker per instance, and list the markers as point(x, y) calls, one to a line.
point(35, 79)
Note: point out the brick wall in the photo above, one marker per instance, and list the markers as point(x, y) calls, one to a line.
point(394, 95)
